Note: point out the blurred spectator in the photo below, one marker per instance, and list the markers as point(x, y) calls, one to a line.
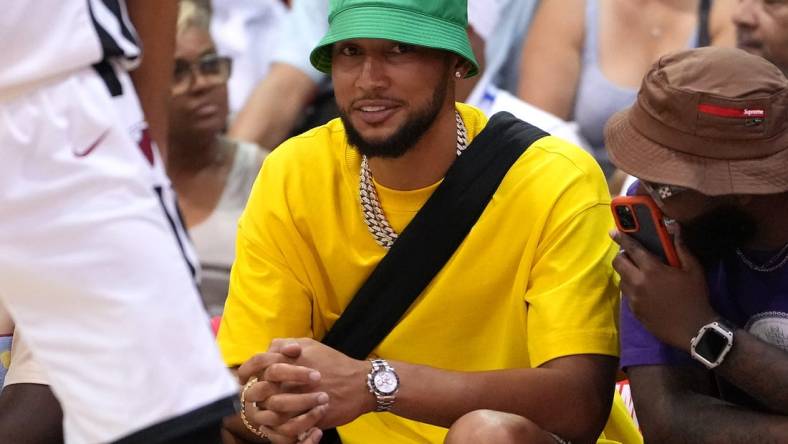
point(762, 29)
point(245, 31)
point(494, 35)
point(584, 59)
point(212, 175)
point(280, 102)
point(504, 37)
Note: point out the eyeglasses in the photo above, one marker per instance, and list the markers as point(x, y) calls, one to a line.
point(660, 192)
point(212, 68)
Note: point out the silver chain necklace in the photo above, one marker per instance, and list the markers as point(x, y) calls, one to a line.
point(374, 217)
point(771, 265)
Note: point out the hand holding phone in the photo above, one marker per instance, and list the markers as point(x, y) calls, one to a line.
point(641, 218)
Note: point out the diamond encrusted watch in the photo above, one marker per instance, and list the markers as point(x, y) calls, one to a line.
point(383, 382)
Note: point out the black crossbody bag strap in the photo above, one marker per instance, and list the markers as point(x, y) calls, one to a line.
point(431, 238)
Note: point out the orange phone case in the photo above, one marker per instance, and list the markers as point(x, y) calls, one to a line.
point(646, 225)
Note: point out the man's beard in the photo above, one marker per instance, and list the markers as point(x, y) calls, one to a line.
point(718, 233)
point(406, 136)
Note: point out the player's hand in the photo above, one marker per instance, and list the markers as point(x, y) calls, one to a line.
point(671, 303)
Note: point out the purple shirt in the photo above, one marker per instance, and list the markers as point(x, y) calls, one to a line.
point(752, 300)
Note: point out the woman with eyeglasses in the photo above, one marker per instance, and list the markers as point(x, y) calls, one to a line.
point(211, 174)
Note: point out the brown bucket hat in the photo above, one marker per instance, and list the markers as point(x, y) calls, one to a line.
point(711, 119)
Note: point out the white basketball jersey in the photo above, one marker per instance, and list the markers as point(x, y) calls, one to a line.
point(41, 40)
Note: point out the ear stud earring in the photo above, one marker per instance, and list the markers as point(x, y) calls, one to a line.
point(458, 74)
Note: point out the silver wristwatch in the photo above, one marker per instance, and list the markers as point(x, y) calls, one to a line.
point(383, 382)
point(712, 343)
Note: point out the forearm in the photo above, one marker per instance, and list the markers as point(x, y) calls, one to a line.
point(274, 107)
point(721, 27)
point(155, 23)
point(555, 399)
point(701, 419)
point(550, 63)
point(758, 368)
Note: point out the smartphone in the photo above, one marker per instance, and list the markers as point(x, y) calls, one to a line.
point(641, 218)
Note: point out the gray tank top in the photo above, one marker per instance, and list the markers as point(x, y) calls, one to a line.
point(597, 97)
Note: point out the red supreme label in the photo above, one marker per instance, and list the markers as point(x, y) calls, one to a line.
point(724, 111)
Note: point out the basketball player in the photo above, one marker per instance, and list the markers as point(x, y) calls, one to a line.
point(95, 267)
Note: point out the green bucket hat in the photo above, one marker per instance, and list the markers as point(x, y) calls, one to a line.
point(438, 24)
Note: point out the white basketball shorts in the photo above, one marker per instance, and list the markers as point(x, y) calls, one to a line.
point(95, 269)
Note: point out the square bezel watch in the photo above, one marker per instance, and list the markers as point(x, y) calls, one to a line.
point(712, 343)
point(383, 382)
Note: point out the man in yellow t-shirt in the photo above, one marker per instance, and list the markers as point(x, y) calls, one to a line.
point(514, 340)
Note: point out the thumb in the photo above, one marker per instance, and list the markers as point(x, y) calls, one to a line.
point(687, 259)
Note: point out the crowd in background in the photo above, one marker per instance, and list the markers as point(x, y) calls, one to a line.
point(565, 66)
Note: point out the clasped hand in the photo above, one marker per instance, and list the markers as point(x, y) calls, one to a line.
point(303, 386)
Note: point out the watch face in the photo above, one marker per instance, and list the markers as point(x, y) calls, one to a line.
point(711, 345)
point(385, 382)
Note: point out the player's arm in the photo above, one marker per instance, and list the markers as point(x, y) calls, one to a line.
point(155, 21)
point(672, 405)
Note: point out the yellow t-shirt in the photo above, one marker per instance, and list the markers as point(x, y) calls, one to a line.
point(532, 281)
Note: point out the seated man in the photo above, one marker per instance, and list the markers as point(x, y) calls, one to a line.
point(521, 320)
point(705, 344)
